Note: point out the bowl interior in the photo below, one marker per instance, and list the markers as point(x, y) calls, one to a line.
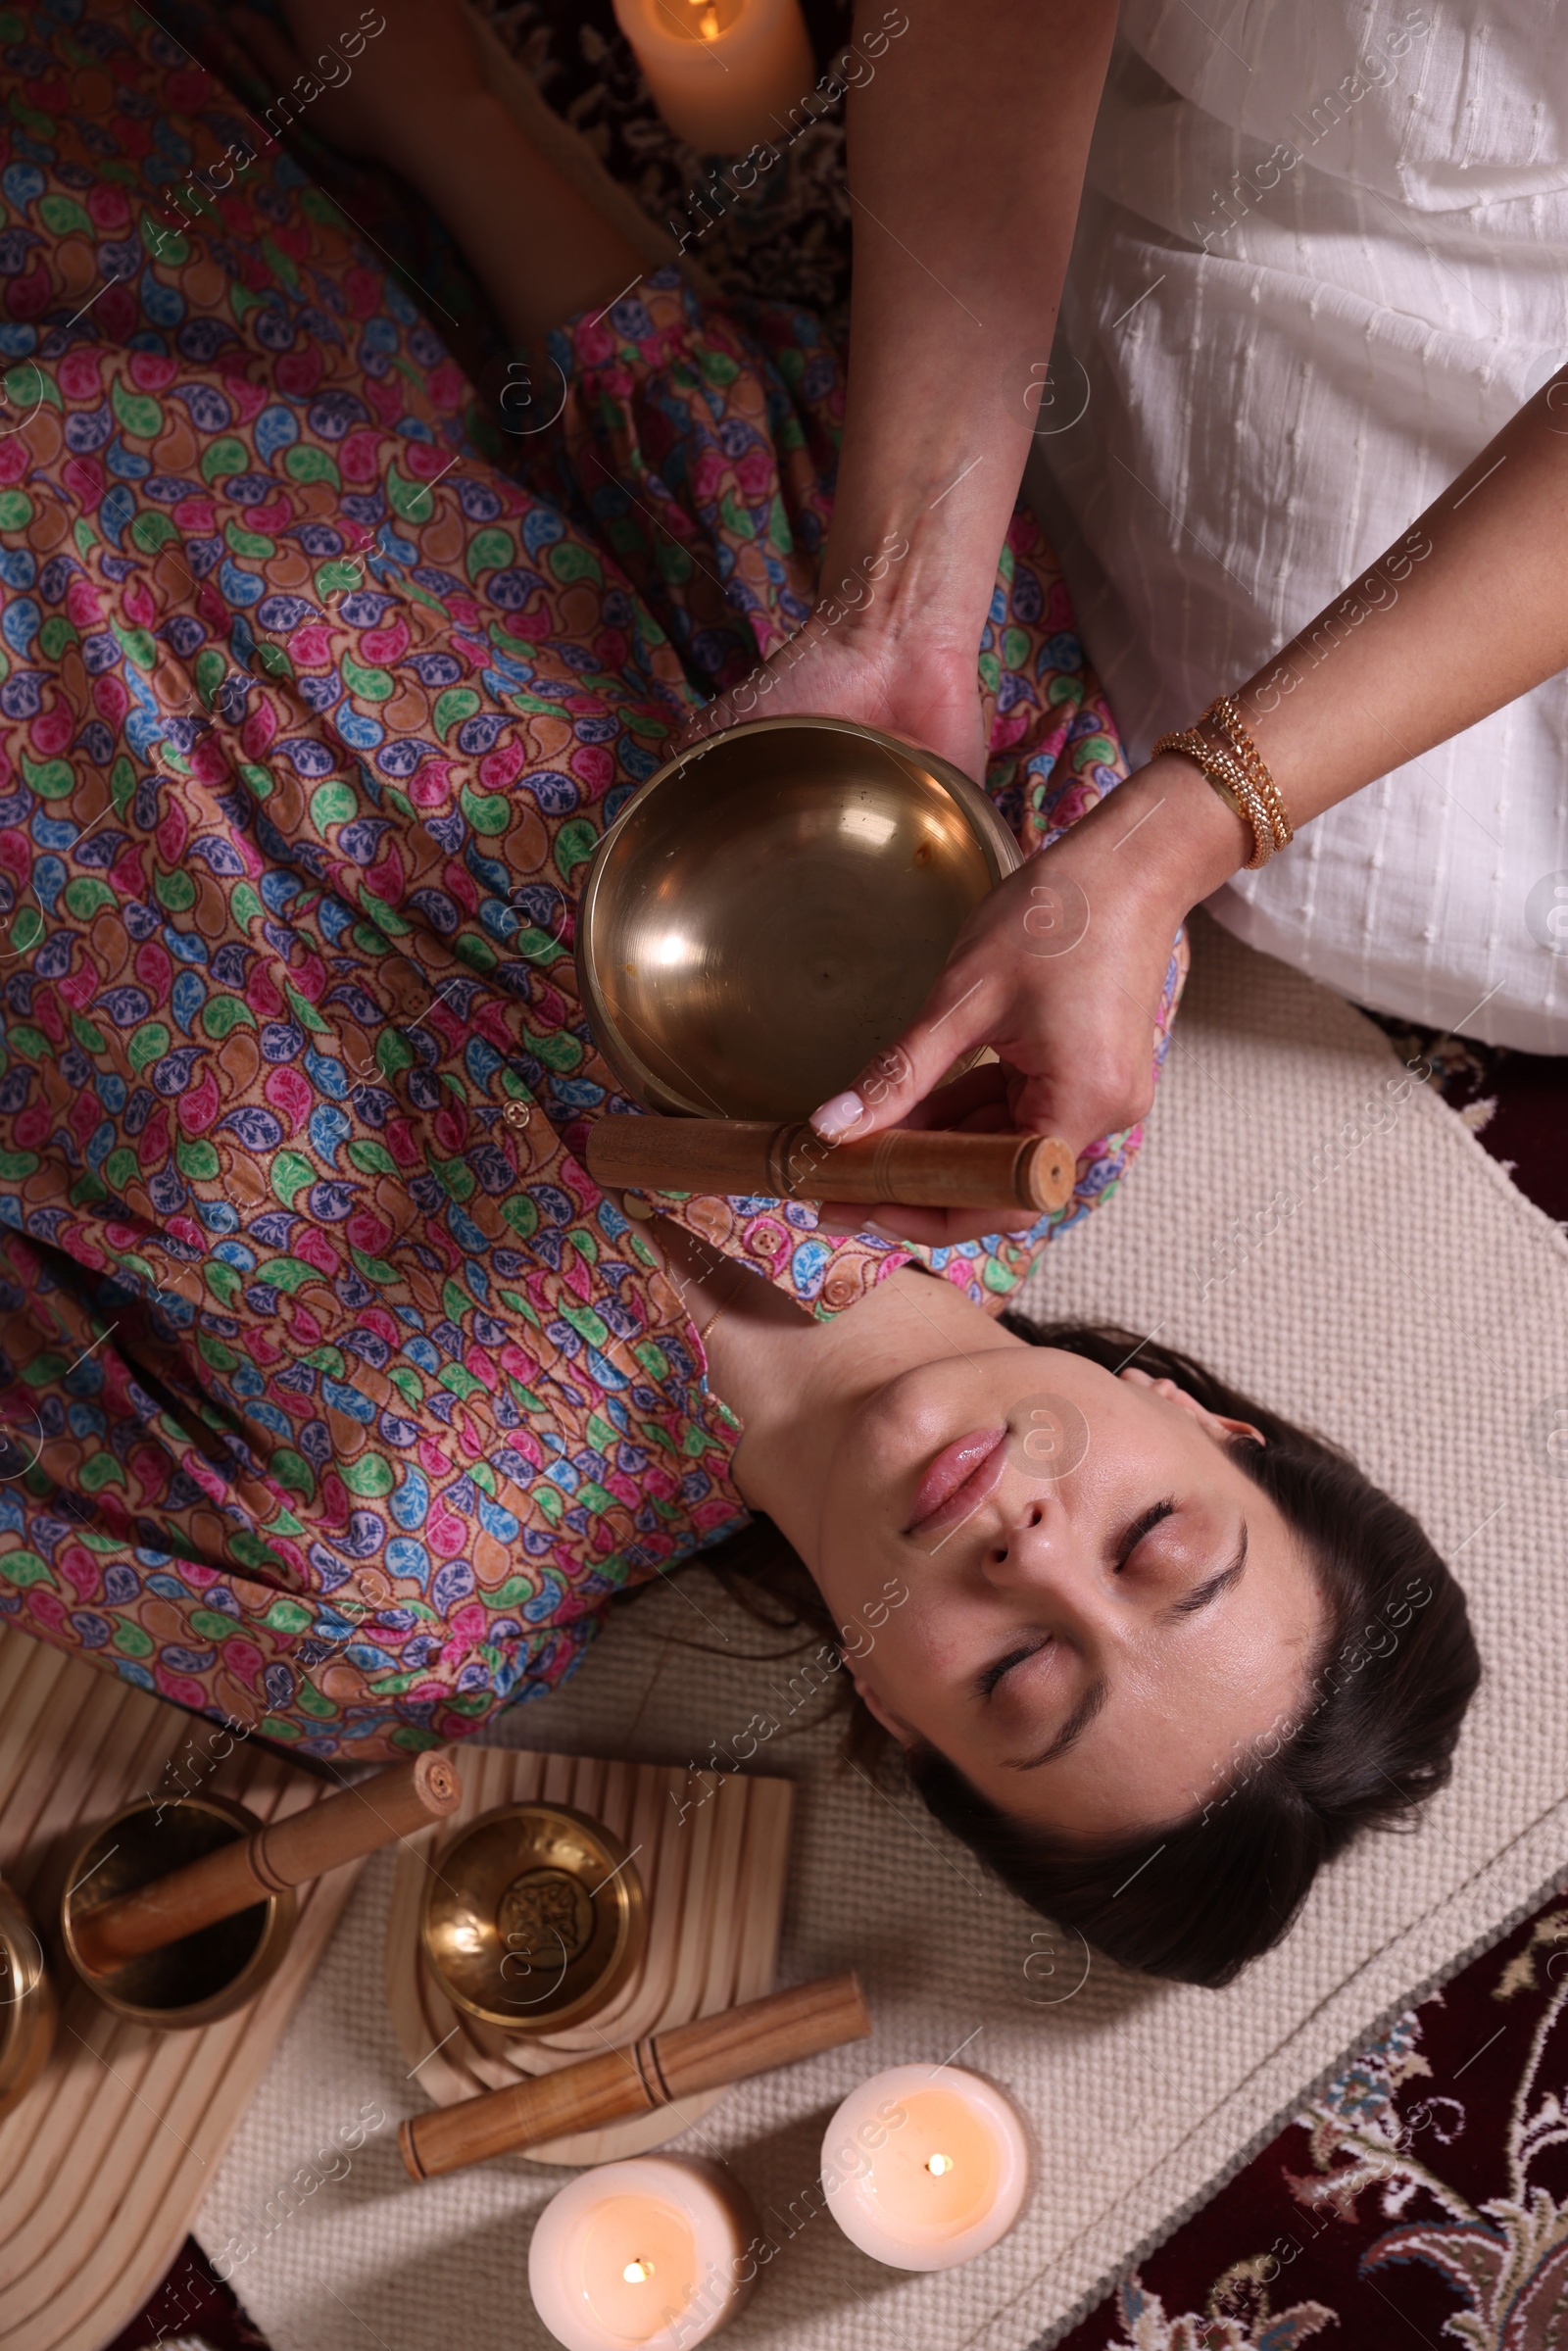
point(773, 911)
point(200, 1977)
point(532, 1917)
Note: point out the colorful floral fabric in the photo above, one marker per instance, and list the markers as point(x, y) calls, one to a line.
point(335, 1394)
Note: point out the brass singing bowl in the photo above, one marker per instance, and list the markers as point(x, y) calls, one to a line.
point(770, 909)
point(204, 1976)
point(533, 1918)
point(27, 2007)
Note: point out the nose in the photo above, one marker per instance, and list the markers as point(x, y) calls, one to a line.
point(1028, 1546)
point(1033, 1563)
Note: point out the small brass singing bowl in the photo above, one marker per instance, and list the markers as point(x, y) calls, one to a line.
point(770, 909)
point(533, 1918)
point(204, 1976)
point(27, 2006)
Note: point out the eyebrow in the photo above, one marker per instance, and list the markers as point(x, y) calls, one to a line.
point(1093, 1701)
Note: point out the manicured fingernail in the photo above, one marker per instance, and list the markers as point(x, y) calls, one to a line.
point(835, 1118)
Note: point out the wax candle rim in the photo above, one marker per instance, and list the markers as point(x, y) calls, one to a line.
point(715, 2207)
point(933, 2245)
point(686, 41)
point(575, 2248)
point(755, 27)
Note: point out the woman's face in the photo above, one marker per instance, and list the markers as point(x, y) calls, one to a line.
point(1103, 1611)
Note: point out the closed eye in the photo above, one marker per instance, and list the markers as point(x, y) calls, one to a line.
point(1203, 1594)
point(1132, 1535)
point(987, 1681)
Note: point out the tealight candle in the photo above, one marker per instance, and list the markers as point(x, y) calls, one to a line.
point(648, 2255)
point(925, 2168)
point(723, 73)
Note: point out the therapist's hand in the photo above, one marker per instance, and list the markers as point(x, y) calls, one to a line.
point(915, 675)
point(1060, 973)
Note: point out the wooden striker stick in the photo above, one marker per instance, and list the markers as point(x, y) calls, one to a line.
point(925, 1169)
point(395, 1803)
point(652, 2071)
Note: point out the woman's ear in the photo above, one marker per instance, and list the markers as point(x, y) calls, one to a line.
point(891, 1723)
point(1218, 1424)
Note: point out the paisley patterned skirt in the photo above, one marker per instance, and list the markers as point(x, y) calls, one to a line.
point(334, 1395)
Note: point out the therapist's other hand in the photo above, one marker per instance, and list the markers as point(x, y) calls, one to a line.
point(919, 680)
point(1060, 973)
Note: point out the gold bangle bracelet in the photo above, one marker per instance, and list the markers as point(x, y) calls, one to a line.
point(1224, 771)
point(1238, 772)
point(1260, 807)
point(1224, 715)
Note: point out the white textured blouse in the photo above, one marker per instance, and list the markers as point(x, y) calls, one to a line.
point(1323, 258)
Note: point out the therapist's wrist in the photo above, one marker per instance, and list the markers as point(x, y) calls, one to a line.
point(1166, 835)
point(903, 582)
point(922, 520)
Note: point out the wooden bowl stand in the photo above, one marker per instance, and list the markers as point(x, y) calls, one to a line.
point(712, 1851)
point(105, 2162)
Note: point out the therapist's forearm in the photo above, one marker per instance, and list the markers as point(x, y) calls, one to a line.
point(966, 160)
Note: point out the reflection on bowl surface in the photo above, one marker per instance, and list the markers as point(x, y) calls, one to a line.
point(771, 910)
point(533, 1917)
point(27, 2009)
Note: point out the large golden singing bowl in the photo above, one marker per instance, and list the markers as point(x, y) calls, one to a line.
point(770, 909)
point(204, 1976)
point(533, 1918)
point(27, 2009)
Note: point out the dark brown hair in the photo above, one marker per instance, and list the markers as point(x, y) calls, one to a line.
point(1197, 1898)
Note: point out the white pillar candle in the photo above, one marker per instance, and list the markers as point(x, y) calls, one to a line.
point(924, 2169)
point(649, 2255)
point(723, 73)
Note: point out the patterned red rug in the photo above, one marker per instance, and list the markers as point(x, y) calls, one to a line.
point(1429, 2183)
point(1426, 2191)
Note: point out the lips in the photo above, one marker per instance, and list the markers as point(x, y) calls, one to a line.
point(958, 1481)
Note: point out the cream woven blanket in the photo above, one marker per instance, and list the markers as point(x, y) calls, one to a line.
point(1413, 1304)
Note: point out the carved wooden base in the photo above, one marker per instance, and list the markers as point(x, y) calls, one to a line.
point(712, 1851)
point(106, 2159)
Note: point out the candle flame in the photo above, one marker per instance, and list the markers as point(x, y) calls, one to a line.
point(937, 2165)
point(708, 26)
point(637, 2272)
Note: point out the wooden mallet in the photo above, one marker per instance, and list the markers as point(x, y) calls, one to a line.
point(397, 1802)
point(656, 2071)
point(1017, 1175)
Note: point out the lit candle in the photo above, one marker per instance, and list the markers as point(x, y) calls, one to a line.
point(653, 2253)
point(723, 73)
point(925, 2168)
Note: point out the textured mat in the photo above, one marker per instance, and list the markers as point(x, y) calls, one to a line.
point(1410, 1302)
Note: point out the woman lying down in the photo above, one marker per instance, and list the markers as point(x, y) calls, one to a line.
point(339, 1401)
